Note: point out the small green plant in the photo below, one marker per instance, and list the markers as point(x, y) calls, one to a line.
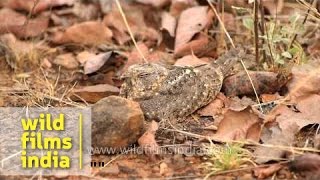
point(225, 157)
point(277, 40)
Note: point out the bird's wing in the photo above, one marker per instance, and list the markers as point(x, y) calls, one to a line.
point(178, 80)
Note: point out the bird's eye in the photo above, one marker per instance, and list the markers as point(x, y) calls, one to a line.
point(142, 75)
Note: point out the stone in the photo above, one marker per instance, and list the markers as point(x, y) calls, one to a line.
point(116, 123)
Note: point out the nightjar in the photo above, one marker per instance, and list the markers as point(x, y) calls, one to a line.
point(172, 92)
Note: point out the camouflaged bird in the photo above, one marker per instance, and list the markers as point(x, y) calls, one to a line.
point(173, 92)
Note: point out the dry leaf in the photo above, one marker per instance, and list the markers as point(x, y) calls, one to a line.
point(16, 23)
point(84, 56)
point(289, 121)
point(155, 3)
point(190, 60)
point(214, 107)
point(148, 142)
point(197, 46)
point(305, 80)
point(94, 63)
point(187, 29)
point(137, 24)
point(42, 5)
point(178, 6)
point(87, 33)
point(264, 172)
point(236, 125)
point(94, 93)
point(134, 56)
point(168, 23)
point(67, 61)
point(237, 104)
point(274, 7)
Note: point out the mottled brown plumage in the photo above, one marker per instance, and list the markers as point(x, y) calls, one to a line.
point(171, 92)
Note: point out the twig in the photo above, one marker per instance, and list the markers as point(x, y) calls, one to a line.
point(256, 32)
point(221, 23)
point(303, 22)
point(262, 28)
point(231, 41)
point(130, 32)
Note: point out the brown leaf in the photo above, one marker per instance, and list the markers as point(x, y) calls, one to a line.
point(197, 46)
point(306, 162)
point(305, 80)
point(16, 23)
point(274, 7)
point(94, 93)
point(190, 60)
point(87, 33)
point(214, 107)
point(264, 82)
point(134, 57)
point(237, 104)
point(187, 29)
point(155, 3)
point(67, 61)
point(177, 6)
point(94, 63)
point(147, 141)
point(168, 23)
point(264, 172)
point(136, 21)
point(42, 5)
point(270, 97)
point(236, 125)
point(84, 56)
point(289, 122)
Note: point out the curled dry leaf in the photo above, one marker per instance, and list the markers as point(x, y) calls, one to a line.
point(32, 7)
point(67, 61)
point(239, 125)
point(148, 142)
point(86, 33)
point(186, 29)
point(94, 93)
point(264, 172)
point(264, 82)
point(155, 3)
point(19, 25)
point(289, 122)
point(168, 23)
point(94, 63)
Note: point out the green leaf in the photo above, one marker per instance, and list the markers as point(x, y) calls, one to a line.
point(286, 54)
point(248, 23)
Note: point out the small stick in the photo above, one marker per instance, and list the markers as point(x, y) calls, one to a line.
point(231, 41)
point(256, 32)
point(303, 22)
point(262, 28)
point(130, 32)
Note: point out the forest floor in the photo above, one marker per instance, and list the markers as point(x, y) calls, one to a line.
point(70, 53)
